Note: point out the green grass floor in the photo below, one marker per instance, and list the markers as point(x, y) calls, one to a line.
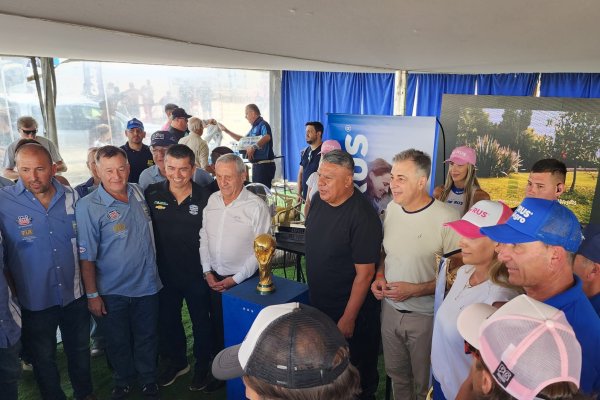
point(178, 391)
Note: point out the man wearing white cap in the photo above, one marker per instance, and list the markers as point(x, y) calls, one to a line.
point(538, 244)
point(587, 264)
point(525, 349)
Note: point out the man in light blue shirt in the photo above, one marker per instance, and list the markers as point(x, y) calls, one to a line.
point(37, 219)
point(118, 263)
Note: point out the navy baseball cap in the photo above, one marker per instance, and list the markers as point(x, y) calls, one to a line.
point(163, 138)
point(541, 220)
point(135, 123)
point(180, 113)
point(590, 247)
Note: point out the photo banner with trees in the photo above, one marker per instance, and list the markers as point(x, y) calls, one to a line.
point(510, 134)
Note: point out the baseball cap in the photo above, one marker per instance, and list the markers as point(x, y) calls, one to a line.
point(463, 155)
point(539, 219)
point(290, 345)
point(483, 213)
point(526, 344)
point(329, 145)
point(135, 123)
point(163, 138)
point(590, 247)
point(180, 113)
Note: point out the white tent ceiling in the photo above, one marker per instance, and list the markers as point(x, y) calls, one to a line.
point(466, 36)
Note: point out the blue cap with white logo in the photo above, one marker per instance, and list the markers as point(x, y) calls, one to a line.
point(539, 220)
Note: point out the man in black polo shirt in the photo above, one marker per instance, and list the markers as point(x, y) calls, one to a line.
point(310, 156)
point(179, 120)
point(340, 269)
point(176, 207)
point(138, 154)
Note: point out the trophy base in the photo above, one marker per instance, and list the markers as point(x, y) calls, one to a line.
point(265, 289)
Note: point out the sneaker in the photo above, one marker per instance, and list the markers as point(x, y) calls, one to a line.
point(120, 392)
point(171, 373)
point(213, 386)
point(25, 366)
point(150, 391)
point(96, 350)
point(200, 381)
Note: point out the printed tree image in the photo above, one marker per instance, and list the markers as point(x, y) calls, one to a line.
point(577, 140)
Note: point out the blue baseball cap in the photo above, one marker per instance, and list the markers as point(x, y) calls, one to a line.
point(541, 220)
point(590, 247)
point(135, 123)
point(163, 138)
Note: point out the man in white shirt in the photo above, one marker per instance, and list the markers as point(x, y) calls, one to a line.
point(231, 221)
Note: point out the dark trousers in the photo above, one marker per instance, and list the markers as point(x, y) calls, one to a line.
point(172, 339)
point(216, 320)
point(39, 337)
point(10, 371)
point(130, 331)
point(263, 173)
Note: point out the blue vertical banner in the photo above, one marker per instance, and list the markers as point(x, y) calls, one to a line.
point(378, 137)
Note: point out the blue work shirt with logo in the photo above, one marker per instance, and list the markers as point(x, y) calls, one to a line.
point(260, 127)
point(10, 315)
point(118, 237)
point(41, 246)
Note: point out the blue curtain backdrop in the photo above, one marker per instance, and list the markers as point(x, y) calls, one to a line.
point(507, 84)
point(428, 89)
point(309, 96)
point(570, 85)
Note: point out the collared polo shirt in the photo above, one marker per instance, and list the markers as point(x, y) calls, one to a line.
point(310, 163)
point(40, 246)
point(586, 325)
point(260, 127)
point(118, 237)
point(176, 228)
point(152, 175)
point(228, 233)
point(10, 315)
point(138, 161)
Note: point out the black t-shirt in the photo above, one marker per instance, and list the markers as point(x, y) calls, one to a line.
point(336, 239)
point(177, 231)
point(138, 161)
point(310, 163)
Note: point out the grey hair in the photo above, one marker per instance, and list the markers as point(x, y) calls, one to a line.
point(195, 124)
point(421, 160)
point(232, 158)
point(339, 157)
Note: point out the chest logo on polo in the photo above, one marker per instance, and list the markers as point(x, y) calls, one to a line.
point(113, 215)
point(193, 209)
point(160, 205)
point(24, 220)
point(119, 227)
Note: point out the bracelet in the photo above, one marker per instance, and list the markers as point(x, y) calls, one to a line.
point(92, 295)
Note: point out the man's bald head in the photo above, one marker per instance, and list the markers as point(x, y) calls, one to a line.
point(29, 147)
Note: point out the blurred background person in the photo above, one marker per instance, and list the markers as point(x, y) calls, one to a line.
point(378, 184)
point(195, 142)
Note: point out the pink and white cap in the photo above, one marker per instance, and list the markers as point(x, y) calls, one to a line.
point(481, 214)
point(526, 344)
point(463, 155)
point(329, 145)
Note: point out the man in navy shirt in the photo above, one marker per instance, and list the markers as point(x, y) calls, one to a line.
point(118, 264)
point(537, 245)
point(138, 154)
point(310, 156)
point(260, 154)
point(37, 219)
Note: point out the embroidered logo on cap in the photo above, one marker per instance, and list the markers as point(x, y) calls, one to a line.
point(503, 374)
point(521, 214)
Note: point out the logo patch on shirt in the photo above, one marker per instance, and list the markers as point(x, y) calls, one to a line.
point(26, 232)
point(119, 228)
point(113, 215)
point(193, 209)
point(160, 205)
point(24, 220)
point(82, 249)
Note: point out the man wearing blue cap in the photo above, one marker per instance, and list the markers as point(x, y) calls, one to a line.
point(537, 245)
point(138, 154)
point(587, 264)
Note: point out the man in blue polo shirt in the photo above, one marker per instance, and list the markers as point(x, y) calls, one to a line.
point(37, 219)
point(138, 154)
point(537, 245)
point(310, 156)
point(118, 264)
point(260, 154)
point(10, 334)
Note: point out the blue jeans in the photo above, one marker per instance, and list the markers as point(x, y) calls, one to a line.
point(39, 337)
point(173, 342)
point(10, 371)
point(130, 332)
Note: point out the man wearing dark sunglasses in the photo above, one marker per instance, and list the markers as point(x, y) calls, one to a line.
point(28, 129)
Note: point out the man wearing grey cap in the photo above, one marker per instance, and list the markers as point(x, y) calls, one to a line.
point(587, 264)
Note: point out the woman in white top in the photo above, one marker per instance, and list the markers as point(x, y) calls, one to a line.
point(461, 189)
point(483, 279)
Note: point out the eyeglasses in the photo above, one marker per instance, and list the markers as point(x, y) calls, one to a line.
point(29, 132)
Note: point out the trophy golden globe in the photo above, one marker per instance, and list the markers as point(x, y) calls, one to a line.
point(264, 248)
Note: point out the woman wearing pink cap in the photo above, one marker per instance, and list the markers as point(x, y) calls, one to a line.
point(483, 279)
point(461, 189)
point(313, 179)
